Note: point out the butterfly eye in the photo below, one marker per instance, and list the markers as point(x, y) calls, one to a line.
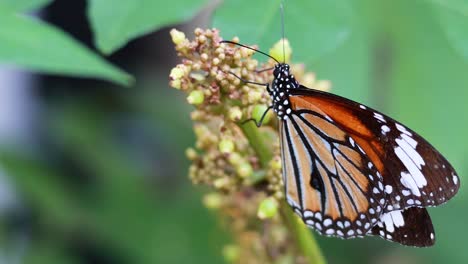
point(276, 71)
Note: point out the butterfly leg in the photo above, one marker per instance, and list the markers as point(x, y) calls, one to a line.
point(259, 124)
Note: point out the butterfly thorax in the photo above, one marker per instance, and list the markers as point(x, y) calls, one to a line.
point(282, 83)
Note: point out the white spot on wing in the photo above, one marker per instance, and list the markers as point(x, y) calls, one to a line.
point(403, 129)
point(411, 152)
point(410, 140)
point(393, 219)
point(385, 129)
point(388, 189)
point(379, 117)
point(415, 173)
point(409, 183)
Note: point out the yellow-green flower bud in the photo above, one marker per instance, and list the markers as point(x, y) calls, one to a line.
point(257, 113)
point(221, 183)
point(244, 170)
point(234, 158)
point(177, 73)
point(279, 53)
point(212, 200)
point(191, 153)
point(196, 97)
point(268, 208)
point(226, 146)
point(275, 163)
point(176, 84)
point(235, 114)
point(231, 253)
point(177, 36)
point(308, 80)
point(323, 85)
point(254, 96)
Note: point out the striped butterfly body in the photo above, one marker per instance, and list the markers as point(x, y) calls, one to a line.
point(350, 171)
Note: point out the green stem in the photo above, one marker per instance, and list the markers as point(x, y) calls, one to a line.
point(304, 238)
point(252, 133)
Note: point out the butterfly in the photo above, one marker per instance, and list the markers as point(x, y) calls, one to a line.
point(350, 171)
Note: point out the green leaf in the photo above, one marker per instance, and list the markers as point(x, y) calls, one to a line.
point(453, 17)
point(35, 45)
point(314, 27)
point(22, 5)
point(115, 24)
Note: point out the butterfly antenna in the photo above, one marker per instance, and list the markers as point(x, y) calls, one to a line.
point(247, 47)
point(282, 30)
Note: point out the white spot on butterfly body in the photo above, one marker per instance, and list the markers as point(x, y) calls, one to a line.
point(362, 107)
point(432, 236)
point(455, 179)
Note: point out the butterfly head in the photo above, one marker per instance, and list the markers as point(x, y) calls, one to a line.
point(283, 79)
point(282, 83)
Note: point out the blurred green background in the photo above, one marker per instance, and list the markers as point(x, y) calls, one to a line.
point(92, 171)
